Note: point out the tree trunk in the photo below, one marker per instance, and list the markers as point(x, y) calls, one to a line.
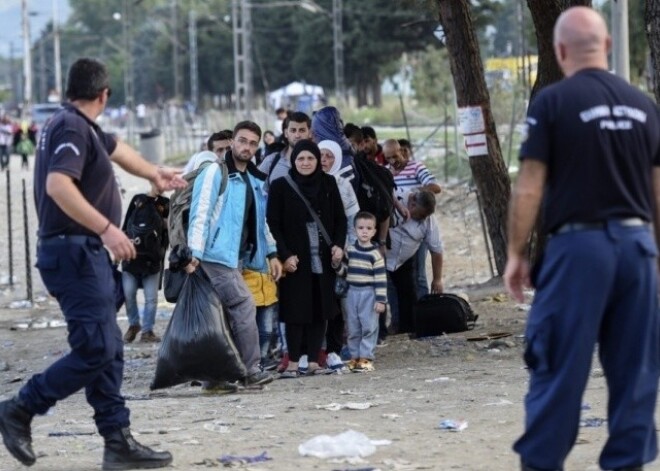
point(361, 92)
point(376, 96)
point(652, 21)
point(544, 15)
point(488, 168)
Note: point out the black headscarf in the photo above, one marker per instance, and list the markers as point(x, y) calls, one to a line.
point(310, 185)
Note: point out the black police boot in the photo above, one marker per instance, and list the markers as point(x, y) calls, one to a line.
point(122, 451)
point(15, 430)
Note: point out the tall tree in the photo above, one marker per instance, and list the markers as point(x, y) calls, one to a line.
point(652, 20)
point(488, 168)
point(544, 15)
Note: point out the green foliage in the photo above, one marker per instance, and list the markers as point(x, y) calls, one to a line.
point(432, 80)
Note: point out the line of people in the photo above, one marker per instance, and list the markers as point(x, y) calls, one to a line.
point(275, 241)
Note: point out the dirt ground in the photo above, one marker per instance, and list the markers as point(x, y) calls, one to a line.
point(417, 385)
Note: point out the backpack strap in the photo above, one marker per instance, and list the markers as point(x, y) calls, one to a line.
point(273, 164)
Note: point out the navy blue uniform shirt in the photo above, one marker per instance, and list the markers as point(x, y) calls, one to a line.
point(72, 144)
point(600, 139)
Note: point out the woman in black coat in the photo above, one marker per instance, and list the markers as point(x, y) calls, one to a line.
point(306, 293)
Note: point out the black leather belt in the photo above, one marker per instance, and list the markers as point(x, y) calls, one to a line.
point(594, 226)
point(71, 239)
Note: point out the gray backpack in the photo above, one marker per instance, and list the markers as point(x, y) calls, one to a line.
point(180, 204)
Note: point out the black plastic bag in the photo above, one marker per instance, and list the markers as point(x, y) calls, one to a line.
point(172, 284)
point(197, 343)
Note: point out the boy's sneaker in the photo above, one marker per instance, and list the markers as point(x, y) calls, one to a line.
point(303, 364)
point(284, 363)
point(366, 365)
point(334, 362)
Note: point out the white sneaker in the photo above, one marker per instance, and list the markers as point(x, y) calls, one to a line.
point(303, 364)
point(334, 362)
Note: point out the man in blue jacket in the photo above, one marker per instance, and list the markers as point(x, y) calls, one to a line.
point(228, 232)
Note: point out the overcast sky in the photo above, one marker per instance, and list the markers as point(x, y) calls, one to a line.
point(10, 21)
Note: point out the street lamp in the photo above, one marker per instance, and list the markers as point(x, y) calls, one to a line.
point(242, 27)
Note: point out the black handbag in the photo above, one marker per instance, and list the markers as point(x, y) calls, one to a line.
point(172, 283)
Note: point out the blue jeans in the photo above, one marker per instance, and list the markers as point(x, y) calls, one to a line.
point(150, 288)
point(265, 315)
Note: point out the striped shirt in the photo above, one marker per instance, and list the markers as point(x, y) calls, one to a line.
point(412, 177)
point(365, 267)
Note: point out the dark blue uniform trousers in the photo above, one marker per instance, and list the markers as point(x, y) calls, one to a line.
point(595, 286)
point(76, 270)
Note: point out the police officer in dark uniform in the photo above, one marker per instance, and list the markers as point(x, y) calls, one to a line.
point(79, 210)
point(593, 155)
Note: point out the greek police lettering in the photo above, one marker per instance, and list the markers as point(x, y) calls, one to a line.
point(600, 111)
point(622, 111)
point(620, 125)
point(617, 111)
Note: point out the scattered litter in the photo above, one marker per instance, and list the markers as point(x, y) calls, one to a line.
point(191, 442)
point(582, 441)
point(137, 397)
point(4, 366)
point(231, 459)
point(489, 336)
point(333, 406)
point(6, 280)
point(592, 422)
point(349, 443)
point(348, 392)
point(403, 465)
point(523, 307)
point(438, 380)
point(258, 416)
point(390, 416)
point(17, 379)
point(217, 426)
point(69, 434)
point(501, 402)
point(23, 304)
point(585, 406)
point(453, 425)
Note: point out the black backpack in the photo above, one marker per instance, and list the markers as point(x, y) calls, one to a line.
point(375, 188)
point(437, 314)
point(145, 227)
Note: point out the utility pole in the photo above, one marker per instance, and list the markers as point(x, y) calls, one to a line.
point(194, 74)
point(242, 27)
point(176, 62)
point(27, 59)
point(127, 32)
point(43, 85)
point(56, 51)
point(338, 48)
point(16, 93)
point(620, 46)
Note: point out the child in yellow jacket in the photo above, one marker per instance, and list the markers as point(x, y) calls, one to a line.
point(264, 292)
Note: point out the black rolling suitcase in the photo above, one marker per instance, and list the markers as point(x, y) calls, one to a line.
point(446, 313)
